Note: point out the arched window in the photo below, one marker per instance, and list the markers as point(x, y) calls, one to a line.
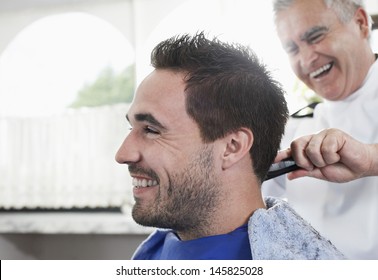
point(63, 81)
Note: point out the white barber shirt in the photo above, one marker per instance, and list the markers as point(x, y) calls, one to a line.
point(346, 213)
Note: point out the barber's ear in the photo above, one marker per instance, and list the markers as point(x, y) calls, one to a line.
point(362, 19)
point(237, 146)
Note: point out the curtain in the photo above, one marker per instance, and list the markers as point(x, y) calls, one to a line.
point(65, 160)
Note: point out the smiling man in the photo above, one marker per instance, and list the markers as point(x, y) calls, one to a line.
point(327, 42)
point(329, 53)
point(206, 126)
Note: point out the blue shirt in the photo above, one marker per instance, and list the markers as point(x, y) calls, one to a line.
point(166, 245)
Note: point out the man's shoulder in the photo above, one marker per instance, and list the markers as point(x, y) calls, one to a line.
point(151, 246)
point(278, 232)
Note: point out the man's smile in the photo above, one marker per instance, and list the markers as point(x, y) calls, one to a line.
point(321, 71)
point(143, 183)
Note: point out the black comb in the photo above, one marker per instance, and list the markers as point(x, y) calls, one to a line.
point(284, 166)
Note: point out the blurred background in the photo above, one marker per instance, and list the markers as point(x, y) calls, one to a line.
point(68, 71)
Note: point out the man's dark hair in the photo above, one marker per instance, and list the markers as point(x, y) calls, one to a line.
point(227, 88)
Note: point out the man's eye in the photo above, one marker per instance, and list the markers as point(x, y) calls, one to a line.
point(292, 51)
point(315, 38)
point(149, 129)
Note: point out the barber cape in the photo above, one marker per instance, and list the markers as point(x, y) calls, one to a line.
point(274, 233)
point(346, 213)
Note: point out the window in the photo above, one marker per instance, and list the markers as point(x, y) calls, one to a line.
point(55, 154)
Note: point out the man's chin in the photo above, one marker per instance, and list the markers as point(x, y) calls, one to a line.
point(147, 220)
point(143, 219)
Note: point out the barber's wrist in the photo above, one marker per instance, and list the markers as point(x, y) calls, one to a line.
point(373, 157)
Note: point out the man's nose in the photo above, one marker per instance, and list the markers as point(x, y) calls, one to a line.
point(307, 57)
point(129, 151)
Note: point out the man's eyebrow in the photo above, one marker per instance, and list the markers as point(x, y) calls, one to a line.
point(311, 32)
point(148, 118)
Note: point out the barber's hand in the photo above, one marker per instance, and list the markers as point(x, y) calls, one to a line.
point(332, 155)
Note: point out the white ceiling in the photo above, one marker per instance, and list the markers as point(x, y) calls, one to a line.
point(9, 5)
point(12, 5)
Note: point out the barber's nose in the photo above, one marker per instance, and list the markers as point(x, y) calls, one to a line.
point(129, 151)
point(307, 56)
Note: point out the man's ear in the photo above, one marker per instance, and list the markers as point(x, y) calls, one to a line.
point(362, 19)
point(237, 146)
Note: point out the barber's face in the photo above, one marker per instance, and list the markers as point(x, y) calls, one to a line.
point(327, 55)
point(172, 169)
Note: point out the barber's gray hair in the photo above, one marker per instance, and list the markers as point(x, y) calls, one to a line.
point(344, 9)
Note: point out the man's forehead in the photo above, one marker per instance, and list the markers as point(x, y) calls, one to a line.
point(159, 97)
point(160, 84)
point(300, 26)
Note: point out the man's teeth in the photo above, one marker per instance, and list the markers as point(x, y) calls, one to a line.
point(320, 70)
point(143, 183)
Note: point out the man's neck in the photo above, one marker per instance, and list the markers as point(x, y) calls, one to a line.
point(234, 213)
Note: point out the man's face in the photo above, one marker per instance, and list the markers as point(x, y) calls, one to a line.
point(173, 171)
point(324, 53)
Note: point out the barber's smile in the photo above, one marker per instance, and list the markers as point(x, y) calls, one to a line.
point(321, 71)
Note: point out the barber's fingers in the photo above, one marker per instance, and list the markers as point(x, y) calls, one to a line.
point(333, 142)
point(324, 147)
point(318, 150)
point(283, 154)
point(333, 155)
point(298, 150)
point(298, 174)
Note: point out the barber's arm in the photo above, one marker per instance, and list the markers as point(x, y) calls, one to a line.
point(332, 155)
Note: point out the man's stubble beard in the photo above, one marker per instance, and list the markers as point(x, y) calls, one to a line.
point(191, 198)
